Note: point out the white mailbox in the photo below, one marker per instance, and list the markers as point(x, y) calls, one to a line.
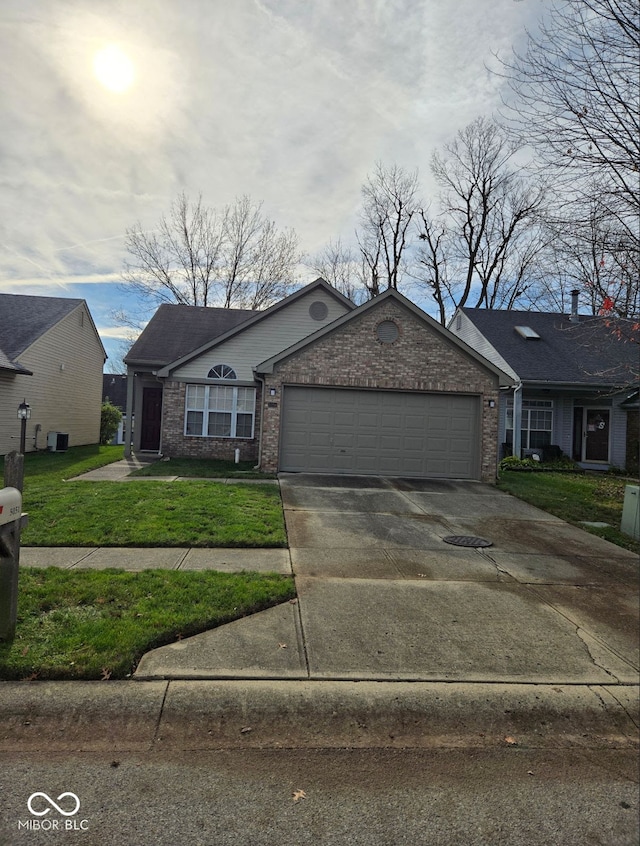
point(10, 505)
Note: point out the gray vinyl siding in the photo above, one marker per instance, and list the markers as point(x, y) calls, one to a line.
point(619, 433)
point(264, 339)
point(563, 413)
point(65, 391)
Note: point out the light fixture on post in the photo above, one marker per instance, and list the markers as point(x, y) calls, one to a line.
point(24, 413)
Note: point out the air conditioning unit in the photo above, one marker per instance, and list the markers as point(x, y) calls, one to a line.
point(57, 441)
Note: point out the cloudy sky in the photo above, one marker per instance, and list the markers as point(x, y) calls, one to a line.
point(289, 101)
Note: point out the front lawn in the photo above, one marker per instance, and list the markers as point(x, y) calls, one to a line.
point(575, 497)
point(202, 468)
point(87, 624)
point(145, 513)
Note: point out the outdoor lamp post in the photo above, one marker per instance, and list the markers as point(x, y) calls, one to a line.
point(24, 413)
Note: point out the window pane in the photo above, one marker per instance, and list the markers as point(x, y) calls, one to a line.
point(219, 425)
point(195, 396)
point(194, 423)
point(539, 439)
point(540, 420)
point(222, 371)
point(244, 424)
point(246, 399)
point(220, 398)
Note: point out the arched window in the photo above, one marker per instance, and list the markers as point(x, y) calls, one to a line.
point(222, 371)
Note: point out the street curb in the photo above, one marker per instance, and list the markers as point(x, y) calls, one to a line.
point(201, 715)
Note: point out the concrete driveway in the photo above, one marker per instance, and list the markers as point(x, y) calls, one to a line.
point(382, 597)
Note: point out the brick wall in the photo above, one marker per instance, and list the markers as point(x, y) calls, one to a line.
point(176, 444)
point(419, 360)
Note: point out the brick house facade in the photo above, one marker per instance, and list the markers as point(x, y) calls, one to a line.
point(435, 396)
point(352, 356)
point(176, 443)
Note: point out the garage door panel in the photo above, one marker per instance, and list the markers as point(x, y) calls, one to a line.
point(368, 420)
point(319, 439)
point(320, 418)
point(379, 432)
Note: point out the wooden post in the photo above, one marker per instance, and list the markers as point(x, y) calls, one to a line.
point(10, 551)
point(14, 470)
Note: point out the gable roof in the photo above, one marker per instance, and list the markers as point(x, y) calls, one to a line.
point(216, 333)
point(582, 350)
point(175, 330)
point(267, 366)
point(24, 319)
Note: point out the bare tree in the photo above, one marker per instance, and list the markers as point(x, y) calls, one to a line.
point(341, 267)
point(200, 256)
point(390, 200)
point(593, 254)
point(481, 247)
point(258, 261)
point(576, 102)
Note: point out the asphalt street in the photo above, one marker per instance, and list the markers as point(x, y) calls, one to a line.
point(291, 797)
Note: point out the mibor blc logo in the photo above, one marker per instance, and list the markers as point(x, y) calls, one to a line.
point(53, 814)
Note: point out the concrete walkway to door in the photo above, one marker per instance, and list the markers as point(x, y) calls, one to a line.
point(381, 596)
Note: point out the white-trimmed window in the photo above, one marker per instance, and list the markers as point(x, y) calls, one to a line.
point(222, 371)
point(220, 411)
point(537, 423)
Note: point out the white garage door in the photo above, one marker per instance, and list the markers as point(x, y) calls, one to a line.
point(385, 433)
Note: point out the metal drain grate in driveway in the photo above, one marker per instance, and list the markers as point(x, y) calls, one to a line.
point(467, 540)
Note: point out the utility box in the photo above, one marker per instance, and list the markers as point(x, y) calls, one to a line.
point(631, 512)
point(57, 441)
point(10, 505)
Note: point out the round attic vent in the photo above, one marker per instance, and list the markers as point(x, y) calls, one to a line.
point(387, 332)
point(318, 310)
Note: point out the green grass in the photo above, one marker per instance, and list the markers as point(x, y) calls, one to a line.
point(205, 468)
point(575, 497)
point(145, 513)
point(97, 624)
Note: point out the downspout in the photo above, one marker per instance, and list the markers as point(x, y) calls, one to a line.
point(517, 420)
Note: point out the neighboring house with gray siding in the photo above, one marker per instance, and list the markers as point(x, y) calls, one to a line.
point(573, 376)
point(51, 356)
point(315, 384)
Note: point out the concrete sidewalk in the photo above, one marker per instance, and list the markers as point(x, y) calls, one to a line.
point(120, 471)
point(396, 638)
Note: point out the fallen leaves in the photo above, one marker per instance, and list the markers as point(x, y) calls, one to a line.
point(298, 795)
point(511, 741)
point(106, 674)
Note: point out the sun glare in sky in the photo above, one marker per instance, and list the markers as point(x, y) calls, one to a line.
point(113, 68)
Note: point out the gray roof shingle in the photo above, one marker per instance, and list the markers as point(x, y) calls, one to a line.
point(176, 330)
point(586, 351)
point(23, 319)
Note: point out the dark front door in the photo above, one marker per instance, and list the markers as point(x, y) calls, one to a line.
point(596, 433)
point(151, 418)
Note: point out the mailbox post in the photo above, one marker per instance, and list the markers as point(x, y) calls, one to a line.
point(11, 522)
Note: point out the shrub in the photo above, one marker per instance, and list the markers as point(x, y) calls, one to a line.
point(512, 462)
point(110, 418)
